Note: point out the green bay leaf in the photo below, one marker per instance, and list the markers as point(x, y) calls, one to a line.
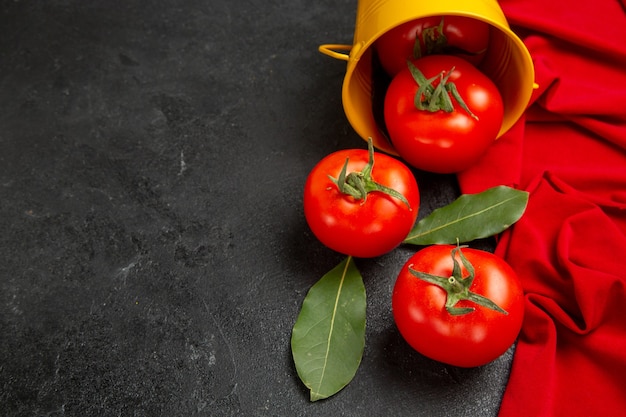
point(471, 217)
point(328, 338)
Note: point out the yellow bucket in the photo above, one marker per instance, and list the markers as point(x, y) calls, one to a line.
point(507, 62)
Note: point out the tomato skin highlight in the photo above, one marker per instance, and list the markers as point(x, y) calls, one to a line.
point(443, 142)
point(469, 340)
point(360, 228)
point(465, 37)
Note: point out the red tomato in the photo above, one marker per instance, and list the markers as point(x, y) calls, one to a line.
point(439, 139)
point(361, 227)
point(450, 35)
point(467, 340)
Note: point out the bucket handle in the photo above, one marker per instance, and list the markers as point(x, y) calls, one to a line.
point(332, 50)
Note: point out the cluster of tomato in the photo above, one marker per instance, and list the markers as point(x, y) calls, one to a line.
point(441, 114)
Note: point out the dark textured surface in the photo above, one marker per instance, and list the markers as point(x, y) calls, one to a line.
point(153, 250)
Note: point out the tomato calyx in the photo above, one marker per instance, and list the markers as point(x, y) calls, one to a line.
point(457, 287)
point(436, 42)
point(434, 98)
point(360, 184)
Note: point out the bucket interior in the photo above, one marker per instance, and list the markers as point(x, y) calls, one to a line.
point(507, 63)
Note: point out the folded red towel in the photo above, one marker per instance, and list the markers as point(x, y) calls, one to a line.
point(569, 151)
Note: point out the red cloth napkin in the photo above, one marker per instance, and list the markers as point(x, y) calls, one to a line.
point(569, 248)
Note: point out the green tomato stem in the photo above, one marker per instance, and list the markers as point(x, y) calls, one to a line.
point(457, 287)
point(360, 184)
point(436, 42)
point(431, 98)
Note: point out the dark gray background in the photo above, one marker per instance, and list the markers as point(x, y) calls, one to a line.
point(153, 249)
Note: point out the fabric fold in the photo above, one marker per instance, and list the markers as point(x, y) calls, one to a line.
point(569, 248)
